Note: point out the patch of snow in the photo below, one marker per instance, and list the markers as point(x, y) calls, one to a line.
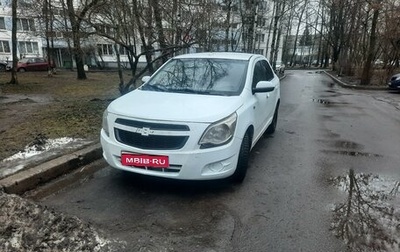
point(39, 150)
point(33, 150)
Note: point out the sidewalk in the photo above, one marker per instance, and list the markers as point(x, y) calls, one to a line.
point(339, 80)
point(19, 181)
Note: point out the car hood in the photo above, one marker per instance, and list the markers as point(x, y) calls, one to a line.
point(396, 75)
point(177, 107)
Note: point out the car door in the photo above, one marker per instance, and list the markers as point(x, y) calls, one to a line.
point(273, 95)
point(264, 105)
point(30, 65)
point(41, 64)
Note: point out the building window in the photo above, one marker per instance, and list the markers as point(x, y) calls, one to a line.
point(4, 46)
point(55, 34)
point(58, 11)
point(260, 37)
point(259, 51)
point(28, 47)
point(123, 50)
point(261, 22)
point(105, 29)
point(2, 23)
point(24, 24)
point(105, 49)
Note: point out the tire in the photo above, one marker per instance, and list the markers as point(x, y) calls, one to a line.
point(2, 68)
point(272, 127)
point(243, 161)
point(22, 70)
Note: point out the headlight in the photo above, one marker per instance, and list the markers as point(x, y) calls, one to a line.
point(219, 133)
point(105, 123)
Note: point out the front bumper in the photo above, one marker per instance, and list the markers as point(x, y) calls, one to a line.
point(394, 84)
point(186, 164)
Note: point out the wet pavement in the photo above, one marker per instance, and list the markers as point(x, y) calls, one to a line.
point(369, 217)
point(325, 181)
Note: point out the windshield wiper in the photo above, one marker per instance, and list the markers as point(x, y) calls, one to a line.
point(155, 87)
point(191, 91)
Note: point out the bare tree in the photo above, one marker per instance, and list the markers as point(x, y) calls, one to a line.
point(76, 19)
point(14, 78)
point(366, 75)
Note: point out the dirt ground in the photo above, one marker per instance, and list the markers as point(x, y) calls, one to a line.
point(52, 107)
point(40, 108)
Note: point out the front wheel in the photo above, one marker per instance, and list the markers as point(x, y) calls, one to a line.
point(243, 161)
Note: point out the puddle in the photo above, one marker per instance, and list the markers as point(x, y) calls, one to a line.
point(369, 219)
point(352, 153)
point(347, 145)
point(342, 144)
point(322, 101)
point(328, 102)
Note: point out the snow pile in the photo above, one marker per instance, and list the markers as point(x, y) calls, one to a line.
point(26, 226)
point(369, 220)
point(40, 145)
point(39, 150)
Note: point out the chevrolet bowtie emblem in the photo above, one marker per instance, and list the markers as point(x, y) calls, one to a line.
point(145, 131)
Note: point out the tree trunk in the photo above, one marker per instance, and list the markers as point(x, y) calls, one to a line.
point(14, 78)
point(366, 75)
point(227, 24)
point(159, 29)
point(76, 37)
point(274, 35)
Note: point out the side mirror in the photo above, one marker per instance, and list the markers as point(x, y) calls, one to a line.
point(263, 87)
point(145, 79)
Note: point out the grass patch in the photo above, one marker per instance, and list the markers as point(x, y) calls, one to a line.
point(71, 108)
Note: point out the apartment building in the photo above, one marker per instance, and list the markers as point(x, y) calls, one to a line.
point(102, 52)
point(29, 44)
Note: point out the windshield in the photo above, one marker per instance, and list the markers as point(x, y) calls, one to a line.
point(200, 76)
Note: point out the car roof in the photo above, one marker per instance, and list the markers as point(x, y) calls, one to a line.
point(218, 55)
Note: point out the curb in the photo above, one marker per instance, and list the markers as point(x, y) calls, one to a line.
point(358, 87)
point(29, 179)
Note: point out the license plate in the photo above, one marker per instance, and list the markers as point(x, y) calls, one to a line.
point(129, 159)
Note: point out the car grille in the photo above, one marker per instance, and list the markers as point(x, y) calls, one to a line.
point(170, 169)
point(154, 136)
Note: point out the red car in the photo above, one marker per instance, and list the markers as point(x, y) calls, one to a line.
point(33, 64)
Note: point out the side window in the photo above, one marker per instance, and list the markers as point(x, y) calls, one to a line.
point(269, 71)
point(259, 73)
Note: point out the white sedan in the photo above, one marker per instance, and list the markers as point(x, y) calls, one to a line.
point(196, 118)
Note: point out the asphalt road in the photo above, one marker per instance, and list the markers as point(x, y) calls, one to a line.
point(287, 199)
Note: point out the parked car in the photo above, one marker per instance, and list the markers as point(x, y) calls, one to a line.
point(31, 64)
point(280, 67)
point(394, 82)
point(196, 118)
point(3, 66)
